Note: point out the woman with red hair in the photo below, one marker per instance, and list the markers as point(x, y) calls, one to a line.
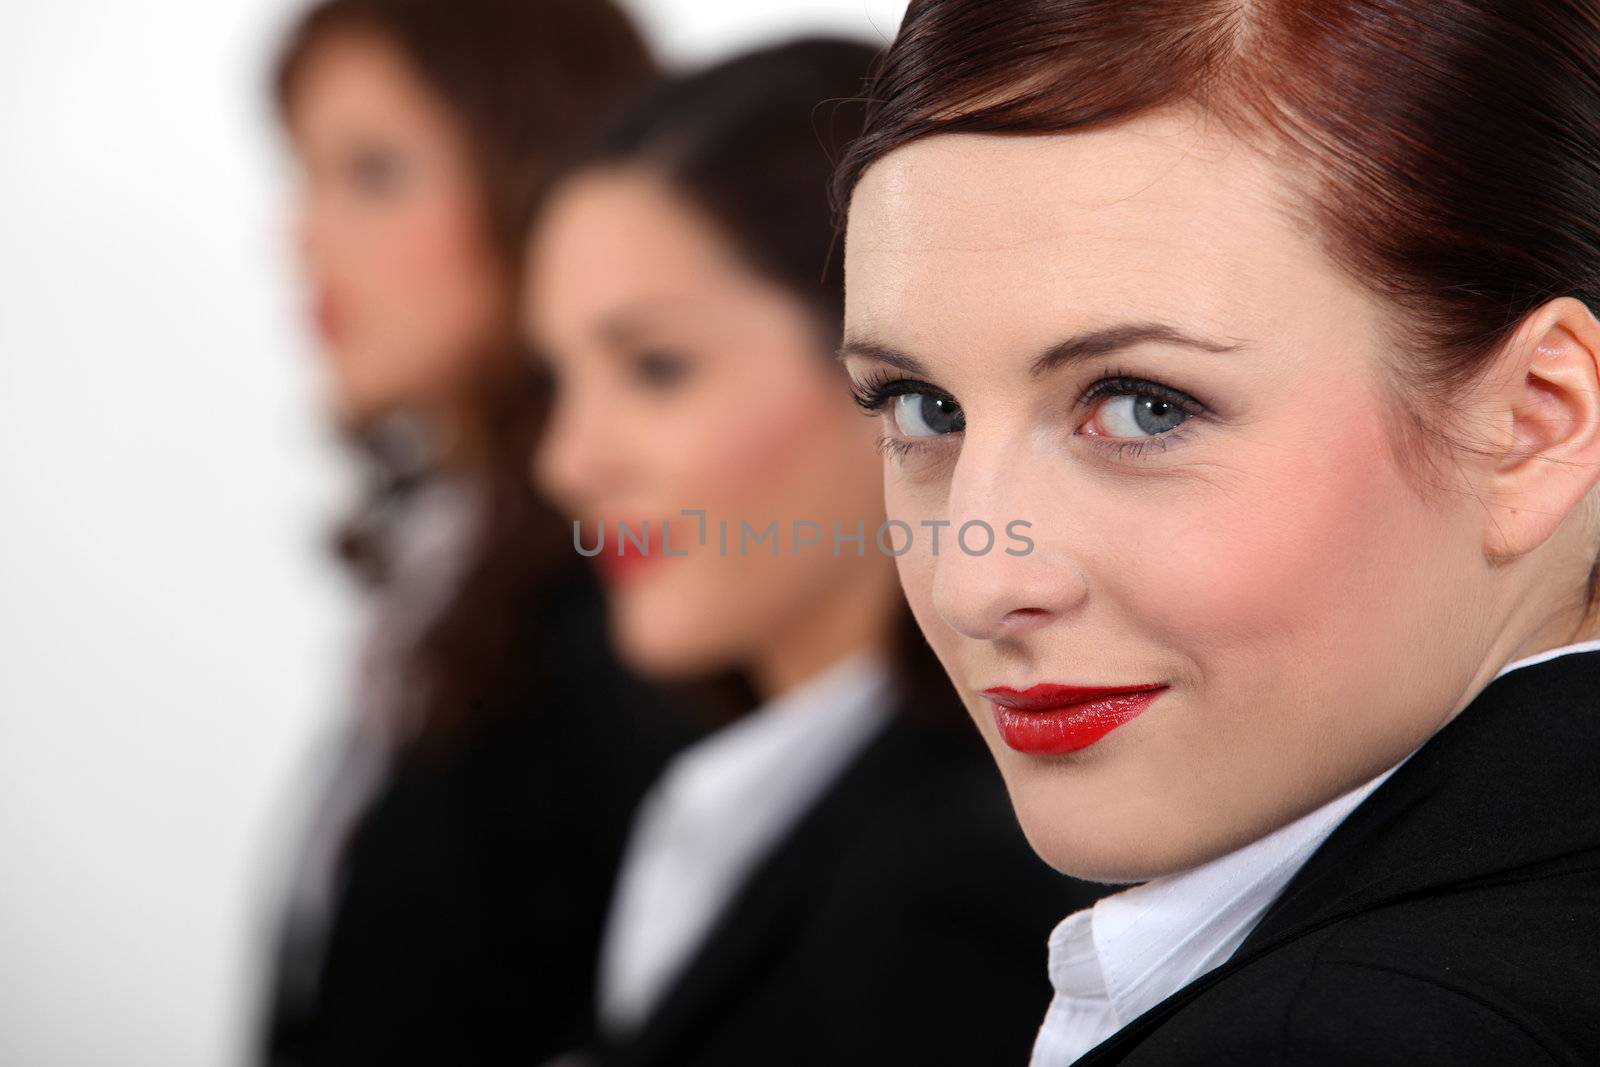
point(1276, 320)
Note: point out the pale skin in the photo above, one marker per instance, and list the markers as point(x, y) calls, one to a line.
point(1315, 614)
point(407, 294)
point(684, 379)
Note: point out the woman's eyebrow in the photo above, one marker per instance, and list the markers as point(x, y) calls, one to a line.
point(1101, 342)
point(869, 349)
point(1104, 342)
point(623, 325)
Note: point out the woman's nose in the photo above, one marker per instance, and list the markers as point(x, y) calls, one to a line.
point(309, 225)
point(576, 461)
point(1000, 572)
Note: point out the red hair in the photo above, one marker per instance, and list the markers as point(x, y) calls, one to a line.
point(1447, 151)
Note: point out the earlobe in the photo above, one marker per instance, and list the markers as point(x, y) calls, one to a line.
point(1552, 458)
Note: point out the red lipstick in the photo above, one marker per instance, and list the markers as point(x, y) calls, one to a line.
point(325, 313)
point(1049, 720)
point(623, 559)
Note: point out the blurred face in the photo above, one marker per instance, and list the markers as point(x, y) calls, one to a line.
point(684, 380)
point(1119, 337)
point(407, 293)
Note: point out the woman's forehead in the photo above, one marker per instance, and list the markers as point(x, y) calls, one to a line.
point(1152, 176)
point(1153, 219)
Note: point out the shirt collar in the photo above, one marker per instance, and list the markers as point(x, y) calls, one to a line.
point(769, 757)
point(1149, 941)
point(1548, 654)
point(1133, 949)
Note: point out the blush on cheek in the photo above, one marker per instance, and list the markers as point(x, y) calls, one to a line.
point(759, 457)
point(433, 254)
point(1298, 553)
point(444, 236)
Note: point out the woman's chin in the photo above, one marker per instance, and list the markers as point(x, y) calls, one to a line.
point(1097, 839)
point(667, 651)
point(662, 661)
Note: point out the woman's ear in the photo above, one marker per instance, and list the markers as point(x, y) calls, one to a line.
point(1548, 405)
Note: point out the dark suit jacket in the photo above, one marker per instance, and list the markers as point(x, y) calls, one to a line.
point(1452, 918)
point(474, 888)
point(903, 921)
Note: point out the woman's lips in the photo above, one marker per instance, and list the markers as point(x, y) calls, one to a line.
point(624, 559)
point(325, 314)
point(1049, 720)
point(618, 569)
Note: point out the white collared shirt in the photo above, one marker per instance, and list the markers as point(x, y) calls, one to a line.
point(715, 812)
point(1113, 961)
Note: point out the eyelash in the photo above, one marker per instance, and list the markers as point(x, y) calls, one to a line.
point(875, 391)
point(897, 446)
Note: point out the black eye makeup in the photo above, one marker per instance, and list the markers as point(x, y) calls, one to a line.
point(919, 409)
point(916, 411)
point(1142, 416)
point(1135, 415)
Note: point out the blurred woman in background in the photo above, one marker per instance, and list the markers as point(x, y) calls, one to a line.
point(448, 899)
point(835, 877)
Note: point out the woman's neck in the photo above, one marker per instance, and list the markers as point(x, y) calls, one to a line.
point(859, 618)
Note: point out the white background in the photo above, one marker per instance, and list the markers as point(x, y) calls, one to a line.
point(172, 641)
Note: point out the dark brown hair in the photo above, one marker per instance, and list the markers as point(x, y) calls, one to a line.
point(527, 80)
point(1448, 151)
point(751, 143)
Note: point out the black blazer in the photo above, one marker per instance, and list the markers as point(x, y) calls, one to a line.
point(903, 921)
point(474, 887)
point(1452, 918)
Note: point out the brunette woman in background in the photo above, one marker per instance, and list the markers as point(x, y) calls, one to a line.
point(835, 877)
point(448, 899)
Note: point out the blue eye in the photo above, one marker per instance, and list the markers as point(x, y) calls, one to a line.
point(1127, 407)
point(918, 412)
point(1141, 415)
point(924, 415)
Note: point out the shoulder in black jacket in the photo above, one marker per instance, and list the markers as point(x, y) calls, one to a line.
point(1452, 918)
point(903, 921)
point(474, 888)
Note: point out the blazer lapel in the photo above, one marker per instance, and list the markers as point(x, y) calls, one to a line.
point(1473, 804)
point(766, 916)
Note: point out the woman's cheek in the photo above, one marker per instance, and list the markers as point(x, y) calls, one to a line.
point(912, 506)
point(434, 251)
point(1289, 547)
point(768, 457)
